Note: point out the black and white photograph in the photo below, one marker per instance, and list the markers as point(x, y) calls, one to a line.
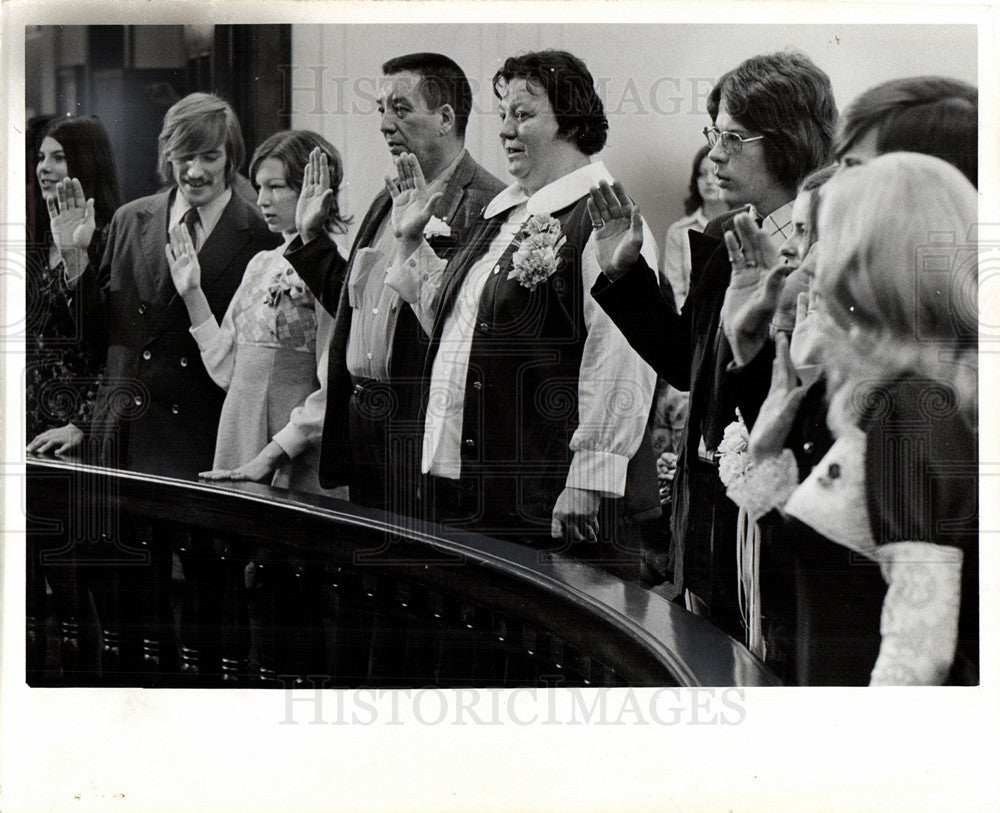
point(513, 406)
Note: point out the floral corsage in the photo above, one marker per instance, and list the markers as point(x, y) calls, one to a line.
point(734, 451)
point(537, 256)
point(284, 282)
point(436, 227)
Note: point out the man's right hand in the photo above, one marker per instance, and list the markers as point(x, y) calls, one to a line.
point(182, 258)
point(411, 205)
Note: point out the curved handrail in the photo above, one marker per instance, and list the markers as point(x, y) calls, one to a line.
point(662, 637)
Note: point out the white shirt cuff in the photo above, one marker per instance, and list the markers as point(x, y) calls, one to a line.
point(207, 333)
point(598, 471)
point(292, 441)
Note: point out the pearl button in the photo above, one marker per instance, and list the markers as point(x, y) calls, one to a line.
point(147, 355)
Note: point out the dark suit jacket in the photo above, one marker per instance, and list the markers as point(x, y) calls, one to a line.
point(690, 351)
point(158, 410)
point(319, 264)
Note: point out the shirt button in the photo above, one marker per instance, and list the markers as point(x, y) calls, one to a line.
point(146, 355)
point(834, 471)
point(375, 311)
point(477, 385)
point(369, 356)
point(137, 400)
point(470, 442)
point(175, 409)
point(184, 361)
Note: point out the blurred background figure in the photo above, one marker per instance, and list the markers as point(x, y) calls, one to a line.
point(704, 201)
point(77, 178)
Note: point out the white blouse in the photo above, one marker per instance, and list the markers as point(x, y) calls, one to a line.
point(610, 370)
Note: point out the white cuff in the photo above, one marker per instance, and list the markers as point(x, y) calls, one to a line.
point(206, 334)
point(765, 485)
point(291, 440)
point(407, 275)
point(598, 471)
point(919, 614)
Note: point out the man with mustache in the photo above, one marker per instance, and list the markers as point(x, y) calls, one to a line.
point(371, 436)
point(158, 410)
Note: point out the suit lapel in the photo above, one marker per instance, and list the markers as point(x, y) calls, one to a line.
point(223, 245)
point(455, 188)
point(455, 271)
point(153, 276)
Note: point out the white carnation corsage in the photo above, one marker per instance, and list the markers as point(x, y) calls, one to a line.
point(436, 227)
point(537, 256)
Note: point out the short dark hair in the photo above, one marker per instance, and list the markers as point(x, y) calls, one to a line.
point(197, 123)
point(694, 200)
point(89, 159)
point(570, 87)
point(787, 99)
point(442, 82)
point(932, 115)
point(292, 148)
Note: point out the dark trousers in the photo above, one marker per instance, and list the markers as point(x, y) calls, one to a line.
point(385, 449)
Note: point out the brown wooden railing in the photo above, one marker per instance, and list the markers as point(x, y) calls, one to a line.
point(146, 581)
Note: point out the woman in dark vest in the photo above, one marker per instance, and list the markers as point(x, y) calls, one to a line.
point(536, 403)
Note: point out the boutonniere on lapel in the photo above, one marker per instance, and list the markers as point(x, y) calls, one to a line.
point(537, 255)
point(284, 283)
point(436, 227)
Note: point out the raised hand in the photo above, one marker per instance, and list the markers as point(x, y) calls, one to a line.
point(777, 413)
point(315, 199)
point(182, 258)
point(412, 207)
point(71, 216)
point(617, 228)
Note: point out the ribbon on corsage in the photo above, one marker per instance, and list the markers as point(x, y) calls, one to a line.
point(537, 256)
point(285, 281)
point(734, 460)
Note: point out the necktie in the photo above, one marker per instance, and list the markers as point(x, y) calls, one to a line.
point(190, 219)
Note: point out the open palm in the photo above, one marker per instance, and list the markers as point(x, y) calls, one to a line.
point(617, 228)
point(316, 197)
point(71, 216)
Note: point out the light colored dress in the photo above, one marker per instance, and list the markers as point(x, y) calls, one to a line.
point(270, 355)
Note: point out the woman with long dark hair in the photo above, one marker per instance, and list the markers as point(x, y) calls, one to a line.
point(76, 175)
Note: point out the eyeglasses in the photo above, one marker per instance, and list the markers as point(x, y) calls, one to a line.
point(732, 143)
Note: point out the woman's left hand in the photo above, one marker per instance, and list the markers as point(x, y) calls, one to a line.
point(257, 469)
point(617, 228)
point(574, 517)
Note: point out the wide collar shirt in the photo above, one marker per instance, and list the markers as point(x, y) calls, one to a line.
point(376, 307)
